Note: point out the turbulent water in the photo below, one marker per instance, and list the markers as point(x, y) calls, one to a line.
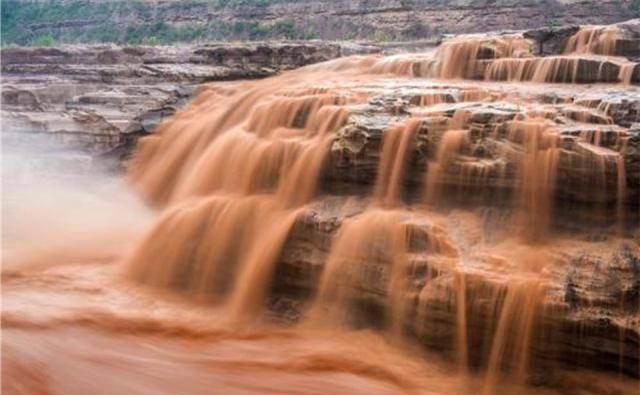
point(188, 305)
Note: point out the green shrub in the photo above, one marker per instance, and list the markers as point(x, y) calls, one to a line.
point(552, 23)
point(417, 29)
point(310, 35)
point(379, 36)
point(44, 41)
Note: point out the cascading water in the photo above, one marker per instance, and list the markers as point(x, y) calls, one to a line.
point(589, 56)
point(594, 39)
point(238, 177)
point(377, 208)
point(237, 200)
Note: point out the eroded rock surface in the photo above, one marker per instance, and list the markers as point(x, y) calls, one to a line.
point(100, 99)
point(589, 313)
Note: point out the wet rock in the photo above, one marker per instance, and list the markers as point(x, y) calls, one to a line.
point(551, 40)
point(490, 158)
point(629, 44)
point(624, 109)
point(557, 69)
point(587, 312)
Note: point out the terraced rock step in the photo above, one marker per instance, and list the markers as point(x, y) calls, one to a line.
point(101, 99)
point(591, 54)
point(494, 221)
point(591, 131)
point(587, 311)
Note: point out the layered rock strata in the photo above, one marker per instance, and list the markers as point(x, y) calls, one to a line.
point(100, 99)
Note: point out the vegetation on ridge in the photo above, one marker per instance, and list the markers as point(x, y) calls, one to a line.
point(51, 22)
point(130, 22)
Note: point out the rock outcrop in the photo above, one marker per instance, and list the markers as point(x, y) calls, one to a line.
point(100, 99)
point(590, 317)
point(355, 152)
point(590, 308)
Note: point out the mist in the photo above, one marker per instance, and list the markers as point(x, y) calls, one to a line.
point(59, 208)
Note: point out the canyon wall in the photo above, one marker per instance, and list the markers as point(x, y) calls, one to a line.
point(166, 21)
